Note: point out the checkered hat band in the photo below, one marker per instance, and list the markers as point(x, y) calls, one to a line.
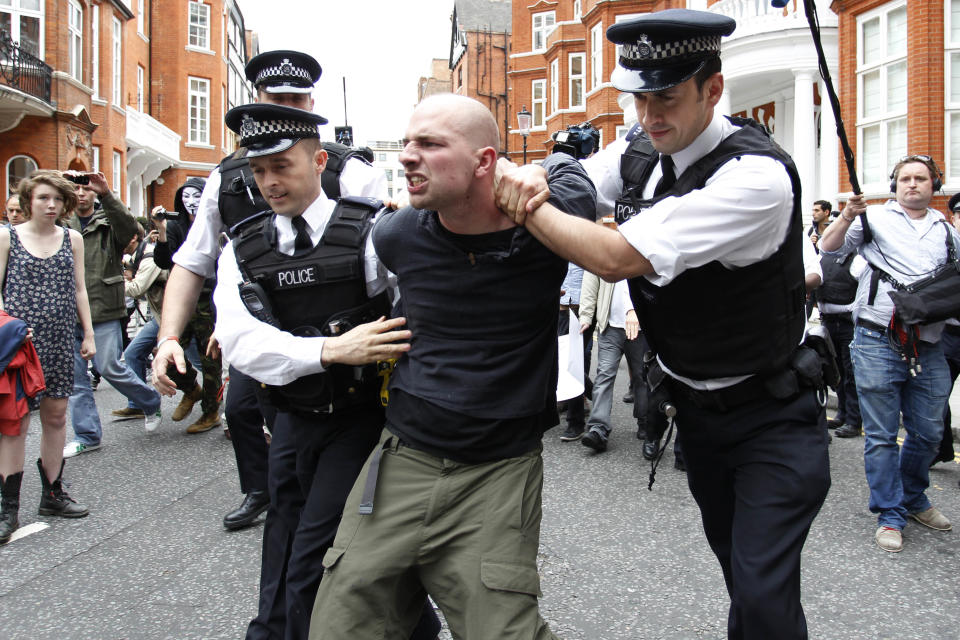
point(644, 53)
point(254, 131)
point(284, 73)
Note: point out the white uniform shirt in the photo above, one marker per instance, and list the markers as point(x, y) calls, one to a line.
point(261, 351)
point(202, 246)
point(620, 304)
point(738, 218)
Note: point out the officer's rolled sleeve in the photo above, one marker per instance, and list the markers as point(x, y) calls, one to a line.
point(261, 351)
point(738, 218)
point(199, 251)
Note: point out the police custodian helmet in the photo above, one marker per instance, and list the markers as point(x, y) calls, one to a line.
point(265, 129)
point(663, 49)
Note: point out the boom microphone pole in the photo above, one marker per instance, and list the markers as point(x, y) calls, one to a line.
point(810, 9)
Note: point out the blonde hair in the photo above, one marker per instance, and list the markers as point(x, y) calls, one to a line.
point(50, 178)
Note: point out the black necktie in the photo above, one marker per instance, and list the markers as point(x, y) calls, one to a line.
point(667, 179)
point(303, 244)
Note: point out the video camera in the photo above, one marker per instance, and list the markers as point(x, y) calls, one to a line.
point(579, 140)
point(166, 215)
point(77, 178)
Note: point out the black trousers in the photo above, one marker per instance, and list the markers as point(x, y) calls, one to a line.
point(314, 462)
point(246, 408)
point(951, 350)
point(840, 327)
point(759, 473)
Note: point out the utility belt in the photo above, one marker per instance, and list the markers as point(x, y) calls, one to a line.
point(341, 386)
point(813, 366)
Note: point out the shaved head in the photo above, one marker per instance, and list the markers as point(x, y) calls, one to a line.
point(468, 117)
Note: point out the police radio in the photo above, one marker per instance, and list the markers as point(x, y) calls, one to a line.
point(257, 302)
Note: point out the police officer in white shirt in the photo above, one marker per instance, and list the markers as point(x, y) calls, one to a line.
point(298, 313)
point(711, 241)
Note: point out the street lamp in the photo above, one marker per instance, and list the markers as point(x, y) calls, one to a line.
point(524, 120)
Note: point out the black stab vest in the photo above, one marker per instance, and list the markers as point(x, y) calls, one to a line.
point(839, 287)
point(322, 293)
point(240, 201)
point(711, 321)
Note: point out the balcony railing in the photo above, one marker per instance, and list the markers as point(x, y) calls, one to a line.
point(22, 70)
point(759, 16)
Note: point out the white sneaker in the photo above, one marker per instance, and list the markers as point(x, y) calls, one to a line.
point(76, 448)
point(151, 423)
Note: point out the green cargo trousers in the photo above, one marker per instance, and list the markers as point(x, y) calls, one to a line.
point(466, 534)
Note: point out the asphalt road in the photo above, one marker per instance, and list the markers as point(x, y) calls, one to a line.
point(617, 562)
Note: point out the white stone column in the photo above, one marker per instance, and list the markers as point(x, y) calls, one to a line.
point(829, 152)
point(804, 137)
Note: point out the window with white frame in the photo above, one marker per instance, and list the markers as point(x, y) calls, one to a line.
point(596, 55)
point(95, 49)
point(543, 24)
point(74, 39)
point(881, 91)
point(140, 74)
point(141, 17)
point(951, 40)
point(23, 20)
point(576, 80)
point(554, 86)
point(199, 35)
point(117, 172)
point(199, 115)
point(577, 9)
point(538, 95)
point(18, 168)
point(117, 73)
point(95, 160)
point(622, 130)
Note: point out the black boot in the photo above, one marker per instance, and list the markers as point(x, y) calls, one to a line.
point(54, 501)
point(10, 505)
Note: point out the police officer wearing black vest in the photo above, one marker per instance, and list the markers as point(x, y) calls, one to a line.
point(230, 198)
point(301, 300)
point(711, 241)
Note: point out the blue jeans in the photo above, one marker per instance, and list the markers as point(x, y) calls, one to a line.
point(611, 347)
point(83, 409)
point(898, 476)
point(136, 353)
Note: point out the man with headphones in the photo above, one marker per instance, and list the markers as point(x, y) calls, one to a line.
point(909, 241)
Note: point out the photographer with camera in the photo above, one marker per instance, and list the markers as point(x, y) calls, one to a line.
point(106, 233)
point(199, 327)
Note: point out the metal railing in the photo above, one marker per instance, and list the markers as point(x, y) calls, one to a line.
point(22, 70)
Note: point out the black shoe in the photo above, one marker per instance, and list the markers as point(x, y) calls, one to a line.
point(572, 433)
point(595, 440)
point(629, 397)
point(848, 431)
point(833, 423)
point(54, 499)
point(254, 503)
point(650, 449)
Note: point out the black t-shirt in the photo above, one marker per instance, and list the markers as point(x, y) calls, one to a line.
point(444, 433)
point(439, 431)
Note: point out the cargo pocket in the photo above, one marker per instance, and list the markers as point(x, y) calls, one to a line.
point(504, 575)
point(331, 558)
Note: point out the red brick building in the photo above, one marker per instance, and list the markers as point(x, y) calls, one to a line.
point(560, 65)
point(136, 89)
point(479, 40)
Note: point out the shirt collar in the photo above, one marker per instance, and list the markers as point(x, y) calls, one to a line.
point(316, 216)
point(703, 144)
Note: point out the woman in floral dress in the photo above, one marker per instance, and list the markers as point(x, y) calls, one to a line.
point(41, 268)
